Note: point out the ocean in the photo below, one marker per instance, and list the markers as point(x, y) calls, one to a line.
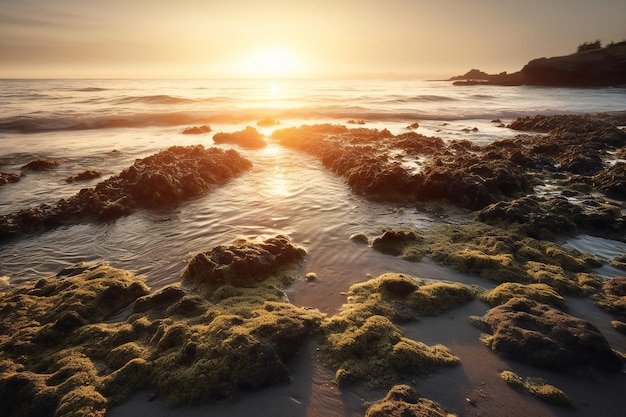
point(106, 124)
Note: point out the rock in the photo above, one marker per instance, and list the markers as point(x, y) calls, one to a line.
point(242, 264)
point(197, 130)
point(447, 171)
point(360, 238)
point(41, 165)
point(163, 180)
point(592, 68)
point(247, 138)
point(538, 292)
point(404, 401)
point(9, 177)
point(84, 176)
point(543, 336)
point(612, 296)
point(267, 122)
point(612, 181)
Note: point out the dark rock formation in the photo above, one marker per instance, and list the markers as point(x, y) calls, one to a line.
point(404, 401)
point(592, 68)
point(162, 180)
point(197, 130)
point(41, 165)
point(424, 168)
point(541, 335)
point(242, 264)
point(84, 176)
point(9, 177)
point(612, 181)
point(612, 296)
point(247, 138)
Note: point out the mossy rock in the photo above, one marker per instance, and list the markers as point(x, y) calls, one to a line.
point(543, 336)
point(244, 263)
point(537, 292)
point(404, 401)
point(539, 388)
point(618, 325)
point(403, 243)
point(362, 343)
point(376, 352)
point(189, 346)
point(403, 298)
point(612, 295)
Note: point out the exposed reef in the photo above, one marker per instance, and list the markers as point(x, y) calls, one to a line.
point(165, 179)
point(84, 340)
point(68, 351)
point(41, 165)
point(197, 130)
point(404, 401)
point(247, 138)
point(9, 177)
point(539, 388)
point(84, 176)
point(410, 166)
point(543, 336)
point(363, 344)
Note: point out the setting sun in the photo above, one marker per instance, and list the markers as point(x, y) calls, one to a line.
point(271, 62)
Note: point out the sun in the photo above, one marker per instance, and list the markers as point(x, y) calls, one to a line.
point(271, 62)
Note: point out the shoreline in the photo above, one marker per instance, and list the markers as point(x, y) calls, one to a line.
point(418, 244)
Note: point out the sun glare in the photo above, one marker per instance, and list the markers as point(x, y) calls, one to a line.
point(271, 62)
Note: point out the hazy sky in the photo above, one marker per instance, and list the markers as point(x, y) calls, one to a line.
point(204, 38)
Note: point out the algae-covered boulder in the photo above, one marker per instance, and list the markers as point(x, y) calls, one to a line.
point(404, 243)
point(243, 264)
point(42, 371)
point(537, 292)
point(362, 343)
point(541, 335)
point(404, 401)
point(612, 296)
point(79, 342)
point(539, 388)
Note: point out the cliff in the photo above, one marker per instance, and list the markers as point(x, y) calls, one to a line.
point(601, 67)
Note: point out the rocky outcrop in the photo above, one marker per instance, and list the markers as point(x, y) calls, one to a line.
point(242, 264)
point(543, 336)
point(600, 67)
point(410, 166)
point(247, 138)
point(165, 179)
point(9, 177)
point(404, 401)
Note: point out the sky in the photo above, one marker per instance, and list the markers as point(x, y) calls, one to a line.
point(293, 38)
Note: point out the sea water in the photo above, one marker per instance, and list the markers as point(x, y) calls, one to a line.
point(106, 124)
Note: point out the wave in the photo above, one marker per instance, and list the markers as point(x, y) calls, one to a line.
point(91, 89)
point(34, 124)
point(154, 99)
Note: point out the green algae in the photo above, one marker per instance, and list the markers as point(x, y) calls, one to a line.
point(612, 296)
point(363, 344)
point(539, 388)
point(496, 254)
point(544, 336)
point(61, 355)
point(618, 325)
point(404, 401)
point(538, 292)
